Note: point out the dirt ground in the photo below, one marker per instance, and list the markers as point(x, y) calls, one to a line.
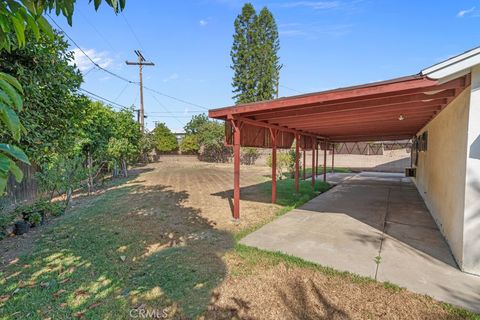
point(185, 205)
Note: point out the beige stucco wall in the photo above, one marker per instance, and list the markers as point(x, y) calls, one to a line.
point(441, 171)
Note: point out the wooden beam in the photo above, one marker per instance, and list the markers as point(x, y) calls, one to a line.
point(273, 136)
point(416, 100)
point(387, 88)
point(297, 145)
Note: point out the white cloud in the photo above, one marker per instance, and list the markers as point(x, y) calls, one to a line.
point(83, 63)
point(463, 13)
point(173, 76)
point(316, 5)
point(203, 23)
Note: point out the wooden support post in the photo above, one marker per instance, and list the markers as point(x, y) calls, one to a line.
point(236, 169)
point(325, 161)
point(273, 136)
point(314, 173)
point(304, 162)
point(333, 158)
point(316, 162)
point(297, 143)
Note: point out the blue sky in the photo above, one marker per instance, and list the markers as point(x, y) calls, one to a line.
point(324, 45)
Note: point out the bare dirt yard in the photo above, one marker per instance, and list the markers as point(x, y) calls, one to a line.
point(164, 242)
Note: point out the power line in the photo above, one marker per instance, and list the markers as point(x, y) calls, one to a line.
point(291, 89)
point(98, 97)
point(121, 77)
point(96, 30)
point(168, 111)
point(132, 31)
point(121, 92)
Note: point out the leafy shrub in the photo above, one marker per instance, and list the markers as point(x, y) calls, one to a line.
point(284, 163)
point(62, 175)
point(164, 140)
point(6, 220)
point(189, 144)
point(249, 156)
point(215, 153)
point(35, 218)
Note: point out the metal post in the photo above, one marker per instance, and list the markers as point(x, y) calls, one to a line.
point(325, 161)
point(333, 158)
point(236, 169)
point(297, 143)
point(273, 136)
point(313, 161)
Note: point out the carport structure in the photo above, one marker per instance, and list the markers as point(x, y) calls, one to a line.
point(439, 108)
point(388, 110)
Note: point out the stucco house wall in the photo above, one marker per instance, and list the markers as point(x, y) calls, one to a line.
point(441, 171)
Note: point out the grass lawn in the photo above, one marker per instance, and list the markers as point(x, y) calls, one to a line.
point(141, 246)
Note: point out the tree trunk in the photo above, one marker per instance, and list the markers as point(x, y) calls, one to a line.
point(125, 168)
point(115, 170)
point(90, 176)
point(69, 197)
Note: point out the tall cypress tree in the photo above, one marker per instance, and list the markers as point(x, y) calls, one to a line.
point(254, 53)
point(243, 55)
point(268, 61)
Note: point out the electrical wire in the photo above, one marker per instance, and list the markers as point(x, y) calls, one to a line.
point(132, 31)
point(100, 98)
point(121, 77)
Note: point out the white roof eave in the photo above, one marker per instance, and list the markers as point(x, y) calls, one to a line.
point(454, 67)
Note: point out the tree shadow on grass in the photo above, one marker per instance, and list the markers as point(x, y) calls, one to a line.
point(133, 247)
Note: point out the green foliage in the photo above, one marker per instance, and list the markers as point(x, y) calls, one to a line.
point(284, 163)
point(197, 121)
point(248, 156)
point(35, 218)
point(254, 54)
point(189, 144)
point(146, 143)
point(16, 19)
point(48, 128)
point(165, 141)
point(62, 175)
point(20, 17)
point(211, 136)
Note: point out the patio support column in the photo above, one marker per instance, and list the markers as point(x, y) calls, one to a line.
point(304, 163)
point(273, 136)
point(333, 158)
point(325, 160)
point(297, 145)
point(236, 168)
point(316, 161)
point(314, 147)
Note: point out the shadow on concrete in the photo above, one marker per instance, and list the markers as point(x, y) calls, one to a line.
point(475, 149)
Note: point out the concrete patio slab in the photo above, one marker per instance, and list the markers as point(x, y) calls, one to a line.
point(371, 215)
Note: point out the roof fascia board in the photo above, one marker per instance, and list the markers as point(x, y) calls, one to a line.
point(454, 67)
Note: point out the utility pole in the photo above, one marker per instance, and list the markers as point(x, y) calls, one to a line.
point(140, 63)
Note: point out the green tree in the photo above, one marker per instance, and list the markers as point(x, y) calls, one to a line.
point(195, 123)
point(189, 144)
point(268, 61)
point(165, 141)
point(17, 18)
point(211, 137)
point(254, 54)
point(243, 56)
point(52, 108)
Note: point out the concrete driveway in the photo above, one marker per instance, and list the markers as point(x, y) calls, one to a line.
point(374, 225)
